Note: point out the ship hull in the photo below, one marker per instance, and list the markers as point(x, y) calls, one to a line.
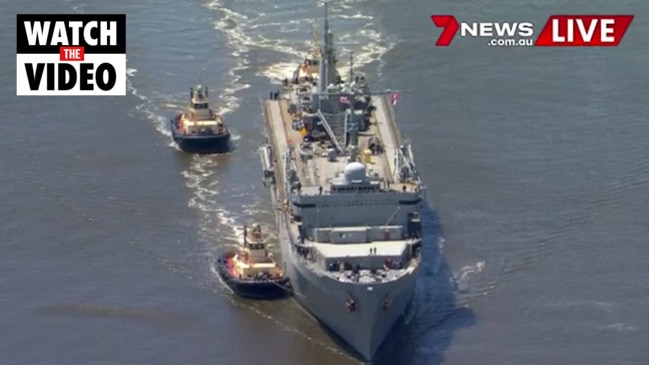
point(254, 289)
point(200, 144)
point(366, 327)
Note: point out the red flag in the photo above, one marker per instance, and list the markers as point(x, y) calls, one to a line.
point(344, 100)
point(394, 97)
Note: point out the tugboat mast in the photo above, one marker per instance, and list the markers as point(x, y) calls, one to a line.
point(351, 67)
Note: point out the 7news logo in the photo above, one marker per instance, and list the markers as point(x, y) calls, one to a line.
point(559, 31)
point(71, 54)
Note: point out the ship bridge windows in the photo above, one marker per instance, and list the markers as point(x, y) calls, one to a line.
point(353, 189)
point(335, 205)
point(200, 105)
point(256, 246)
point(311, 62)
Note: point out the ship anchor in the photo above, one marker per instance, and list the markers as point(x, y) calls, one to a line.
point(350, 303)
point(387, 303)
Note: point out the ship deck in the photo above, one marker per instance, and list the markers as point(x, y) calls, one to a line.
point(319, 171)
point(383, 249)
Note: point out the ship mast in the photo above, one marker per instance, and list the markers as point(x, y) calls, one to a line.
point(327, 71)
point(322, 77)
point(327, 68)
point(200, 84)
point(351, 67)
point(353, 126)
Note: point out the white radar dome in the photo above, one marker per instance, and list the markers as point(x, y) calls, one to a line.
point(355, 172)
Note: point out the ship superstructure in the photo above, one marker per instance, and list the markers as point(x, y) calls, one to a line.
point(348, 199)
point(201, 128)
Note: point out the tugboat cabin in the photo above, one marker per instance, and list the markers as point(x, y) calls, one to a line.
point(255, 260)
point(309, 68)
point(200, 118)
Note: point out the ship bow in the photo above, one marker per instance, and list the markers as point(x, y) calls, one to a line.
point(376, 310)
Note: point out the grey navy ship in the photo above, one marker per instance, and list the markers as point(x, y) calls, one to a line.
point(347, 198)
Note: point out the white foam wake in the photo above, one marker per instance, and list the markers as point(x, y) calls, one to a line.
point(260, 32)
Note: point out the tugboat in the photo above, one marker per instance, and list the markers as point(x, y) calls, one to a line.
point(251, 272)
point(309, 68)
point(201, 129)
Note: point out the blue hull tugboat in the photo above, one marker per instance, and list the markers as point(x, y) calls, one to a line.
point(251, 272)
point(200, 129)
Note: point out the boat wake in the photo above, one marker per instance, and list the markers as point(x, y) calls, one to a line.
point(200, 171)
point(271, 27)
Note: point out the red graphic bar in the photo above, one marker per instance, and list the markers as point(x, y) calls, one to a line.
point(71, 54)
point(584, 30)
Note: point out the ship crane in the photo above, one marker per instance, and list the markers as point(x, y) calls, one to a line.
point(339, 128)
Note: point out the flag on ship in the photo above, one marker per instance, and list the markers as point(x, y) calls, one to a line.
point(395, 98)
point(344, 100)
